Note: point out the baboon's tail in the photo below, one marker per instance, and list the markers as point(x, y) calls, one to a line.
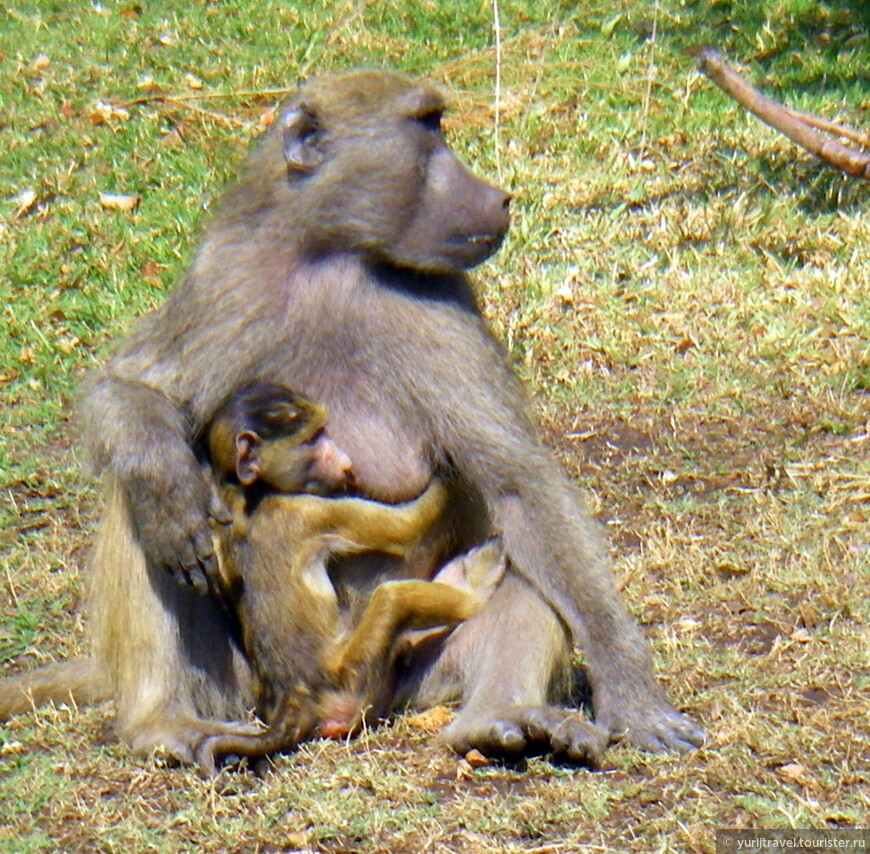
point(76, 680)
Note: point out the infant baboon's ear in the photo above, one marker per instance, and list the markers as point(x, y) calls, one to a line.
point(247, 457)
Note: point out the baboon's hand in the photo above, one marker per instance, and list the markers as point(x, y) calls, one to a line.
point(171, 509)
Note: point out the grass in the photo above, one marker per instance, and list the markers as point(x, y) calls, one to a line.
point(685, 294)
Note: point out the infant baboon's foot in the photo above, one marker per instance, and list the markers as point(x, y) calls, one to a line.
point(229, 746)
point(182, 736)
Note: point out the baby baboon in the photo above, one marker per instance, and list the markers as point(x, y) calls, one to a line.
point(266, 443)
point(335, 266)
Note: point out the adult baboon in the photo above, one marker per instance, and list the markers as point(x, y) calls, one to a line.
point(335, 266)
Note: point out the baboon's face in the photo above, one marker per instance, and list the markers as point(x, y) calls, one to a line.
point(369, 152)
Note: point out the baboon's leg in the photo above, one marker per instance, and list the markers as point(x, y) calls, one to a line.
point(500, 715)
point(168, 653)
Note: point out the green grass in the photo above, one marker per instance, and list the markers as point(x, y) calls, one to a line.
point(685, 293)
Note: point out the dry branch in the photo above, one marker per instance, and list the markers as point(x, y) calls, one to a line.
point(797, 126)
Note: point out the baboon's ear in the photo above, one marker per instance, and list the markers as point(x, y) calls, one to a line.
point(247, 457)
point(304, 139)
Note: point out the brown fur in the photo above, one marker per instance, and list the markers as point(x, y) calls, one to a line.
point(351, 658)
point(265, 444)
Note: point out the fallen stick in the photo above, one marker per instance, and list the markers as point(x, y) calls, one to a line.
point(797, 126)
point(862, 139)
